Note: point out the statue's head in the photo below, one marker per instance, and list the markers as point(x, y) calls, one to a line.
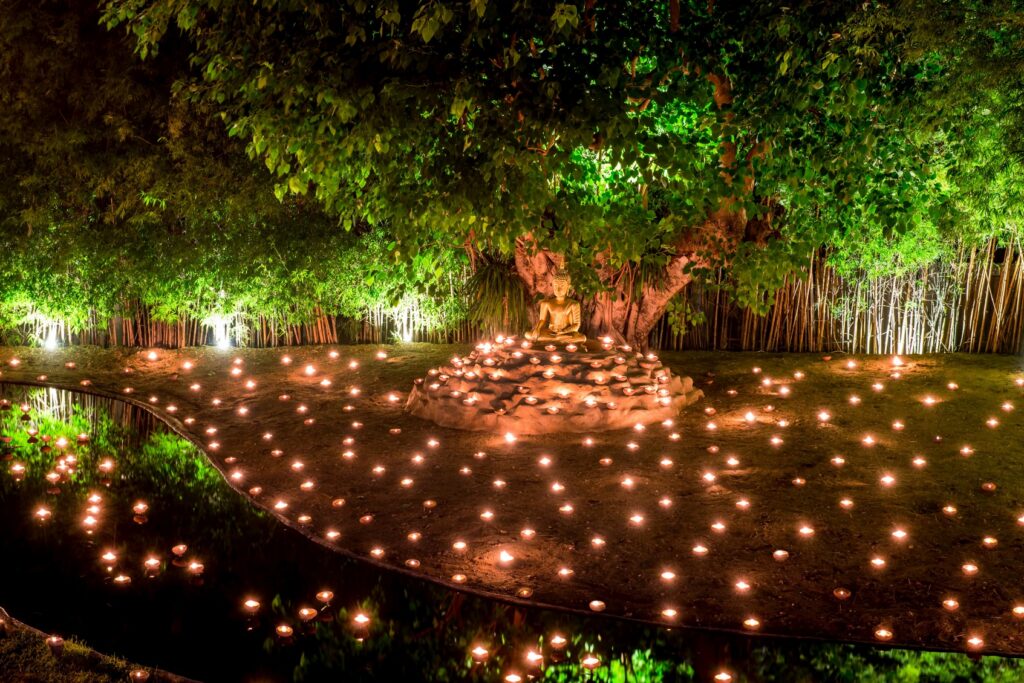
point(561, 282)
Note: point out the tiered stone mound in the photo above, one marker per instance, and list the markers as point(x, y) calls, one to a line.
point(514, 387)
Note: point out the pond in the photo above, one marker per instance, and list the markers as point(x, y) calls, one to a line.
point(120, 533)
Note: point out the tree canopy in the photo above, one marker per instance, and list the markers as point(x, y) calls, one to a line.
point(120, 191)
point(638, 136)
point(646, 142)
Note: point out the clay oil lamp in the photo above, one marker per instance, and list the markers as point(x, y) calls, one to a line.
point(56, 645)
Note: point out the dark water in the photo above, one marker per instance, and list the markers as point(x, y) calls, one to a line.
point(53, 575)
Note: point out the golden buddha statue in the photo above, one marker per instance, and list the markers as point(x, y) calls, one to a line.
point(559, 318)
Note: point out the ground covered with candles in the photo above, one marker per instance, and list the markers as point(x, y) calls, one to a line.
point(868, 499)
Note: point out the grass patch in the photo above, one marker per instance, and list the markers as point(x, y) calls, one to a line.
point(26, 658)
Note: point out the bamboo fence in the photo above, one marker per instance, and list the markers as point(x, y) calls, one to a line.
point(974, 303)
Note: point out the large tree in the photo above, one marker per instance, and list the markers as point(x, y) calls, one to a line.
point(123, 198)
point(645, 142)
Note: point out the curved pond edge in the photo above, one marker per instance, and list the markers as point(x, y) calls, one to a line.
point(179, 429)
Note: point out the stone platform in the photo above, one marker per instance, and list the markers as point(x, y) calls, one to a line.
point(514, 387)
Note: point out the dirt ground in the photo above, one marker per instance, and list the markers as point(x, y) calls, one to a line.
point(805, 495)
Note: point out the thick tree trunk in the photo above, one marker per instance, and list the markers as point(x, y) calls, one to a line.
point(628, 313)
point(618, 312)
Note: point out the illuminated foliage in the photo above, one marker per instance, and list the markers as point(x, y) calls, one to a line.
point(655, 140)
point(647, 141)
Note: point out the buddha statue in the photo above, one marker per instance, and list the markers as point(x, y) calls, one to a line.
point(559, 317)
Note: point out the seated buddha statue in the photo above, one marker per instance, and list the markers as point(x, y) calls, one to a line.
point(559, 317)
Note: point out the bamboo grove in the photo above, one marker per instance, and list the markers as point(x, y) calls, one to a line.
point(972, 302)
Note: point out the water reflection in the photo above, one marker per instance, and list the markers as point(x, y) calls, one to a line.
point(119, 532)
